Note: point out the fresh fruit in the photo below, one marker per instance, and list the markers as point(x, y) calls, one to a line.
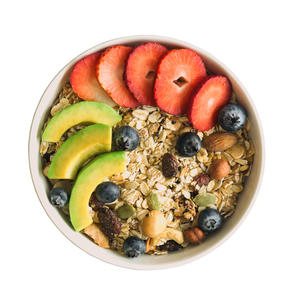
point(126, 138)
point(125, 211)
point(82, 112)
point(84, 80)
point(110, 72)
point(154, 224)
point(219, 169)
point(178, 73)
point(213, 93)
point(219, 142)
point(194, 235)
point(188, 144)
point(141, 71)
point(153, 201)
point(97, 235)
point(209, 220)
point(134, 246)
point(58, 197)
point(232, 117)
point(77, 149)
point(169, 165)
point(109, 222)
point(107, 192)
point(87, 180)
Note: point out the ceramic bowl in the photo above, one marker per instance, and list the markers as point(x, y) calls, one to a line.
point(246, 198)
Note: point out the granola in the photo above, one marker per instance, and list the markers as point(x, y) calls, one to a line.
point(158, 132)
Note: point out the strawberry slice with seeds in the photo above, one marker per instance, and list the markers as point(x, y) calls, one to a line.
point(179, 72)
point(208, 99)
point(141, 71)
point(110, 73)
point(84, 81)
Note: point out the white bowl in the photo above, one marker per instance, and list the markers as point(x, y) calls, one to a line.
point(246, 198)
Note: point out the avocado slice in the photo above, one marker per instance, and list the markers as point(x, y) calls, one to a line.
point(87, 180)
point(82, 112)
point(77, 149)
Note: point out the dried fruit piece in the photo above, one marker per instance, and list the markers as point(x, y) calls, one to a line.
point(153, 201)
point(194, 235)
point(125, 211)
point(202, 179)
point(109, 222)
point(205, 199)
point(218, 142)
point(154, 224)
point(97, 235)
point(95, 204)
point(169, 165)
point(170, 246)
point(219, 169)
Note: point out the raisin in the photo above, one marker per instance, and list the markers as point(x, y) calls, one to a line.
point(170, 246)
point(109, 222)
point(202, 179)
point(169, 165)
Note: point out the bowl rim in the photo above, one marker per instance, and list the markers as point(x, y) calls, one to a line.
point(164, 39)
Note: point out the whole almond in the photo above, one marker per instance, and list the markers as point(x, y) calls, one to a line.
point(219, 169)
point(218, 142)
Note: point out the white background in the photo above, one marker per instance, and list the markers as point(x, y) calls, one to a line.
point(258, 40)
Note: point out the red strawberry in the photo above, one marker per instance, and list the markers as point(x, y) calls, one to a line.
point(208, 99)
point(179, 72)
point(110, 72)
point(141, 71)
point(84, 81)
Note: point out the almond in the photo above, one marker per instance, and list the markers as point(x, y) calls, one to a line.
point(218, 142)
point(219, 169)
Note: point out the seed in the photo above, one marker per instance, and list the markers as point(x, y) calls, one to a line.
point(126, 211)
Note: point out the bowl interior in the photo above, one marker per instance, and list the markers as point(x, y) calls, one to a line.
point(245, 200)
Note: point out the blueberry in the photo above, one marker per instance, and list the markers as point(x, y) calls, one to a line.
point(188, 144)
point(107, 192)
point(232, 117)
point(58, 197)
point(126, 138)
point(209, 220)
point(134, 246)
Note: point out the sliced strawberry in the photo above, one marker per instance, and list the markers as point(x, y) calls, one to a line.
point(178, 74)
point(84, 81)
point(208, 99)
point(141, 70)
point(110, 72)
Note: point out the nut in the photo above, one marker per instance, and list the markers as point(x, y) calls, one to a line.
point(97, 235)
point(154, 224)
point(219, 169)
point(153, 201)
point(125, 211)
point(194, 235)
point(169, 234)
point(218, 142)
point(202, 179)
point(169, 165)
point(108, 222)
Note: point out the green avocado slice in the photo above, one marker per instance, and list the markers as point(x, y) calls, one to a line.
point(82, 112)
point(77, 149)
point(87, 180)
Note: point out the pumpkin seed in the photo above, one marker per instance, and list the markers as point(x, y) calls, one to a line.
point(205, 199)
point(125, 211)
point(153, 201)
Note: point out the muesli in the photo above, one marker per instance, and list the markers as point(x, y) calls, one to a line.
point(159, 164)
